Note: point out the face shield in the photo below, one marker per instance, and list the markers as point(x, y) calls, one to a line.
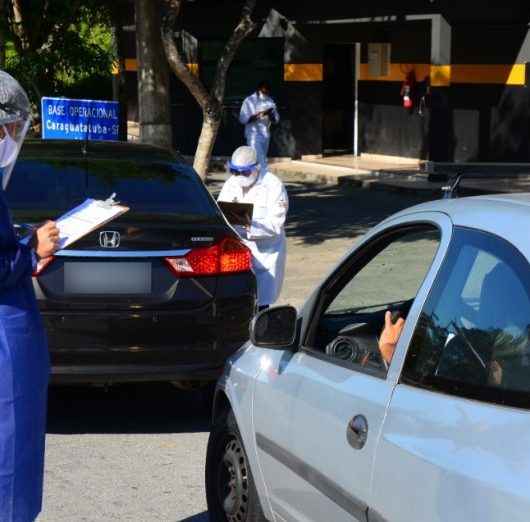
point(244, 165)
point(14, 124)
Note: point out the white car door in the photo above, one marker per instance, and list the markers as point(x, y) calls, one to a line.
point(455, 444)
point(318, 412)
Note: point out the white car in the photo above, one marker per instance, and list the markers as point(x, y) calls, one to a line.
point(311, 423)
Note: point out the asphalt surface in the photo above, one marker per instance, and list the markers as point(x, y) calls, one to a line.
point(137, 452)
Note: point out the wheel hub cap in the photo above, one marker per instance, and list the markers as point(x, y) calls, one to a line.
point(233, 482)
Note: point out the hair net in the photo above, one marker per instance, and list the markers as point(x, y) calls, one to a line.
point(15, 117)
point(243, 159)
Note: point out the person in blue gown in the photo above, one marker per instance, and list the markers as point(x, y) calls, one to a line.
point(24, 359)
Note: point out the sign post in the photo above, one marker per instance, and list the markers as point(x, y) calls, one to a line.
point(67, 119)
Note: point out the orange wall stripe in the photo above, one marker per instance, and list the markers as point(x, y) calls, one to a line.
point(194, 68)
point(440, 75)
point(493, 74)
point(131, 65)
point(397, 72)
point(443, 75)
point(303, 72)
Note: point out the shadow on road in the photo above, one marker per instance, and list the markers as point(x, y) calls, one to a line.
point(134, 408)
point(321, 212)
point(201, 517)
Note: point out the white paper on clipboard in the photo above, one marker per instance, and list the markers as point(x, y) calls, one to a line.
point(86, 218)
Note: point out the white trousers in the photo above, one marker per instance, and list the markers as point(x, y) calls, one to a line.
point(260, 144)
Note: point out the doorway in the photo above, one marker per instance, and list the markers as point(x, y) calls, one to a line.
point(338, 99)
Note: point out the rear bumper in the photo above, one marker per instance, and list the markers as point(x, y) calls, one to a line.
point(140, 344)
point(109, 374)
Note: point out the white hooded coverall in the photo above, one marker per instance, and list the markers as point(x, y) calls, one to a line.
point(266, 237)
point(257, 133)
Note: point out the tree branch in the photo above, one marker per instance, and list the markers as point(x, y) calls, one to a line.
point(210, 102)
point(175, 60)
point(18, 24)
point(242, 30)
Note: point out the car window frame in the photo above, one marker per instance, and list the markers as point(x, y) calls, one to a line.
point(353, 263)
point(459, 390)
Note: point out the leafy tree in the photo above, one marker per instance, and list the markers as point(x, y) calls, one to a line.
point(53, 46)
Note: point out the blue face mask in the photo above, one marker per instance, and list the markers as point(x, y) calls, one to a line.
point(247, 181)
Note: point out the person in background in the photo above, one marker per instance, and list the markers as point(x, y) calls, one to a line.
point(24, 359)
point(265, 237)
point(257, 114)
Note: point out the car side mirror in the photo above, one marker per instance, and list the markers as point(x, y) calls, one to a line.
point(274, 328)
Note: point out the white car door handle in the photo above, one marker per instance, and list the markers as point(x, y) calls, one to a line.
point(357, 432)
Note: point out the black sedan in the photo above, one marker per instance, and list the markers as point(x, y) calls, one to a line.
point(163, 293)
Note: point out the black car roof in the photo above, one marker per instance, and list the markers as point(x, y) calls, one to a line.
point(35, 148)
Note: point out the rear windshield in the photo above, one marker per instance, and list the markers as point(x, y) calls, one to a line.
point(55, 185)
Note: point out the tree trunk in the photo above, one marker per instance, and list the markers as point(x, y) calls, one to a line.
point(211, 102)
point(203, 153)
point(153, 76)
point(120, 79)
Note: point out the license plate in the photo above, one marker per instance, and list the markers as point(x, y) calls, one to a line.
point(107, 278)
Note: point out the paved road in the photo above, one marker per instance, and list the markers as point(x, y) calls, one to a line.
point(136, 453)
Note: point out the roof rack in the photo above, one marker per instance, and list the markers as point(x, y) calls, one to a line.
point(454, 173)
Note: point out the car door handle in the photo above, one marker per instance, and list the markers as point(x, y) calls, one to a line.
point(357, 432)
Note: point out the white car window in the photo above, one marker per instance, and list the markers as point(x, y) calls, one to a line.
point(392, 276)
point(473, 337)
point(385, 275)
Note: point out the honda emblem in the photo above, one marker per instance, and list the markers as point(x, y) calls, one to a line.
point(109, 239)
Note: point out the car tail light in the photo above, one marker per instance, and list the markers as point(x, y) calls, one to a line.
point(227, 257)
point(235, 257)
point(41, 265)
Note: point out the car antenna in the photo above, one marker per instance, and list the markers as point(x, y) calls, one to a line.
point(451, 191)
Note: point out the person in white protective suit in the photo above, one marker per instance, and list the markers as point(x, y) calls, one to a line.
point(265, 237)
point(257, 114)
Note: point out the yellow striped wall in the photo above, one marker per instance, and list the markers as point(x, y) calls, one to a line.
point(131, 65)
point(440, 75)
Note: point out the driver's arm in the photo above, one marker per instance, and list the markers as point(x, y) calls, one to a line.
point(390, 337)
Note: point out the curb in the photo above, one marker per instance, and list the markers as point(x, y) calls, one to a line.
point(411, 183)
point(417, 188)
point(381, 185)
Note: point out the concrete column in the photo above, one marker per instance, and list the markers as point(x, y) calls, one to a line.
point(153, 76)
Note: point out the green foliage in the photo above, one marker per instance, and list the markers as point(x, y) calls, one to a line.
point(59, 47)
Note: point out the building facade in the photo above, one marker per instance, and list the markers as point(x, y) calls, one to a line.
point(339, 74)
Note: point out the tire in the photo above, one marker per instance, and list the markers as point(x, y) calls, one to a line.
point(230, 490)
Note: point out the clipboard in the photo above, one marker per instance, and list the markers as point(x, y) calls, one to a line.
point(87, 217)
point(237, 213)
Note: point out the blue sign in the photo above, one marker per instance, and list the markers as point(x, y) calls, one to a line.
point(65, 119)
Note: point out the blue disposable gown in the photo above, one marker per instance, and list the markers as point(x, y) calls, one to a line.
point(24, 371)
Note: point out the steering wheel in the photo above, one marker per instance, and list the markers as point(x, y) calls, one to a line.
point(355, 346)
